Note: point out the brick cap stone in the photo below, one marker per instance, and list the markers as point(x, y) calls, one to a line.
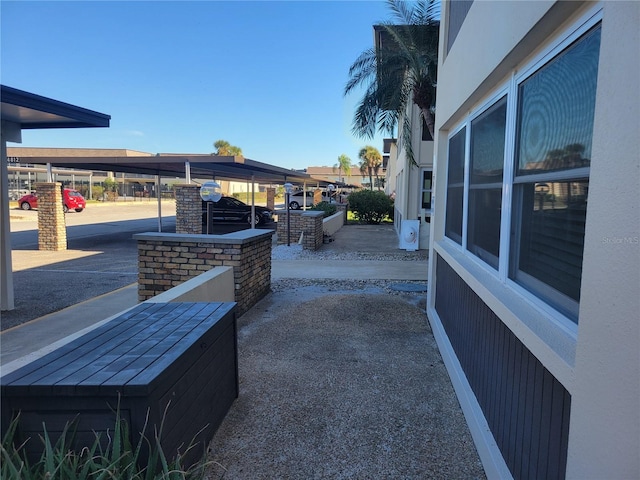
point(302, 213)
point(241, 237)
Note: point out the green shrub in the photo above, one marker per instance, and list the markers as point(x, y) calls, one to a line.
point(370, 207)
point(119, 460)
point(328, 208)
point(97, 191)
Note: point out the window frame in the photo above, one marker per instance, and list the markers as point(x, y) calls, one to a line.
point(487, 108)
point(454, 132)
point(421, 207)
point(510, 89)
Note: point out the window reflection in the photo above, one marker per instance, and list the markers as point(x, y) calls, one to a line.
point(485, 186)
point(556, 109)
point(552, 238)
point(455, 186)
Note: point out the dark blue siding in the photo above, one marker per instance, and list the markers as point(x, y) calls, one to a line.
point(526, 408)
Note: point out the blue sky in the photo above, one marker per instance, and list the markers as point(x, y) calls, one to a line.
point(177, 76)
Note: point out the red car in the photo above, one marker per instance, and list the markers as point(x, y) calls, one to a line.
point(72, 201)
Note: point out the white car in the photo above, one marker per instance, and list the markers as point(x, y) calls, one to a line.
point(296, 200)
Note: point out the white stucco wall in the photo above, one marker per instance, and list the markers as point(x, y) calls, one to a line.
point(408, 177)
point(605, 408)
point(599, 362)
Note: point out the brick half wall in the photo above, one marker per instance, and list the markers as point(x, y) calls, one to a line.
point(308, 223)
point(166, 260)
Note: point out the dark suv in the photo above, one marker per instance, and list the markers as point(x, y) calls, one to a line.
point(229, 209)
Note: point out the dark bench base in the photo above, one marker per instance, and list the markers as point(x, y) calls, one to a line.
point(175, 362)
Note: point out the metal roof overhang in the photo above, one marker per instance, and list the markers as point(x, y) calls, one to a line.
point(23, 110)
point(173, 165)
point(33, 111)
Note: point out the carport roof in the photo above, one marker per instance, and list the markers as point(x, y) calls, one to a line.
point(34, 111)
point(31, 111)
point(173, 165)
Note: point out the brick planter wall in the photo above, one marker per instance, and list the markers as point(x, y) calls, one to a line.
point(188, 209)
point(166, 260)
point(313, 231)
point(52, 229)
point(309, 223)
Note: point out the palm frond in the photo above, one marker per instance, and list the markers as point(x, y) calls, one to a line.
point(401, 11)
point(406, 139)
point(387, 121)
point(363, 70)
point(427, 11)
point(400, 70)
point(365, 117)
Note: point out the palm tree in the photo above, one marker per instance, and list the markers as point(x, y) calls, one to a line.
point(370, 162)
point(400, 71)
point(343, 165)
point(224, 148)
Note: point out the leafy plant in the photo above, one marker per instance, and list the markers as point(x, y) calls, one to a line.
point(118, 460)
point(370, 207)
point(328, 208)
point(400, 72)
point(370, 163)
point(97, 192)
point(111, 188)
point(226, 149)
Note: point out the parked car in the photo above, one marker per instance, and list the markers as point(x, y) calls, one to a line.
point(296, 200)
point(72, 200)
point(229, 209)
point(15, 194)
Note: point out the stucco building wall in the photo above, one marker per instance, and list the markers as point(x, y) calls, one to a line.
point(596, 360)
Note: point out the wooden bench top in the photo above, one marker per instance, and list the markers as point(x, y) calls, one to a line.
point(125, 355)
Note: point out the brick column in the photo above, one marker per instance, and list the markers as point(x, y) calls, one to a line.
point(188, 209)
point(271, 198)
point(296, 226)
point(309, 223)
point(313, 232)
point(52, 230)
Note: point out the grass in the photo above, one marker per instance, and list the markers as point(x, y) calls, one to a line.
point(118, 460)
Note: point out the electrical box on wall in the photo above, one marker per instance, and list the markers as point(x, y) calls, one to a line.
point(410, 235)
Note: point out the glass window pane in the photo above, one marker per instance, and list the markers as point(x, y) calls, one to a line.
point(426, 180)
point(487, 144)
point(485, 189)
point(483, 231)
point(455, 186)
point(427, 176)
point(556, 108)
point(551, 245)
point(426, 200)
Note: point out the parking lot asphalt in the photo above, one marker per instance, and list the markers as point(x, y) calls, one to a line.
point(101, 257)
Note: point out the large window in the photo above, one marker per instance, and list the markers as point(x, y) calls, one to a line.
point(485, 182)
point(551, 178)
point(526, 204)
point(455, 186)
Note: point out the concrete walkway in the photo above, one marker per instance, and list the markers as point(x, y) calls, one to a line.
point(340, 376)
point(41, 335)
